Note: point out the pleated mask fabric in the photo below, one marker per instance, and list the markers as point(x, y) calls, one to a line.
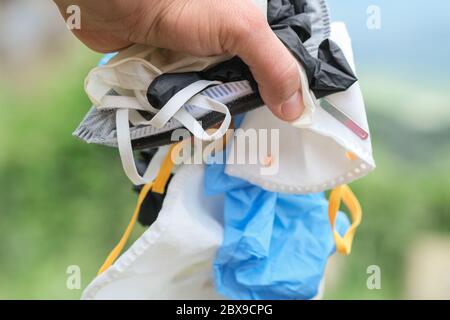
point(173, 258)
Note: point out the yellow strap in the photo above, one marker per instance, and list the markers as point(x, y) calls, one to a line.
point(158, 186)
point(344, 193)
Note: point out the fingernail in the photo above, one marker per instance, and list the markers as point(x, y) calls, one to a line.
point(292, 108)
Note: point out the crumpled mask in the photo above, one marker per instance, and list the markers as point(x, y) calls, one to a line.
point(159, 91)
point(328, 146)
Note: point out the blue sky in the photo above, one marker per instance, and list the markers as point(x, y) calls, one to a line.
point(414, 37)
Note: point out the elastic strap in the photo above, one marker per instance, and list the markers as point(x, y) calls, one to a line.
point(190, 123)
point(178, 101)
point(126, 149)
point(158, 186)
point(155, 164)
point(345, 194)
point(123, 116)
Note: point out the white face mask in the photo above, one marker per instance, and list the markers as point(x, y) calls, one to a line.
point(316, 152)
point(173, 258)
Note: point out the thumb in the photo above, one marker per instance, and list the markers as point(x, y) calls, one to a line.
point(274, 69)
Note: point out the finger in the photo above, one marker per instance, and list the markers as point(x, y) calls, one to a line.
point(273, 67)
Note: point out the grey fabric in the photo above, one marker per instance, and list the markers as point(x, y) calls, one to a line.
point(99, 126)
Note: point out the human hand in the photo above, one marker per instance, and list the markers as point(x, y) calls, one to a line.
point(200, 28)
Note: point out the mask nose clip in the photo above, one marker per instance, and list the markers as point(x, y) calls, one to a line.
point(345, 119)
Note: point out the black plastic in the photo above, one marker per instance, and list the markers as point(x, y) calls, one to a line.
point(328, 73)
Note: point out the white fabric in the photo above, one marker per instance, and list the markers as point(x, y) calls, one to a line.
point(173, 109)
point(173, 258)
point(126, 149)
point(313, 150)
point(134, 69)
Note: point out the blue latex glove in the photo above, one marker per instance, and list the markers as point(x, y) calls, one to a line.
point(276, 245)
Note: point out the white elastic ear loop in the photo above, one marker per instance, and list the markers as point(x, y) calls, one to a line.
point(125, 148)
point(190, 123)
point(155, 163)
point(190, 97)
point(178, 101)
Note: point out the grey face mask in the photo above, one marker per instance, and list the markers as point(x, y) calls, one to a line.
point(99, 125)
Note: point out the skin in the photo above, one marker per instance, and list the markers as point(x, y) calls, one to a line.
point(201, 28)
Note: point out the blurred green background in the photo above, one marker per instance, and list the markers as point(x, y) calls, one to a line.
point(64, 203)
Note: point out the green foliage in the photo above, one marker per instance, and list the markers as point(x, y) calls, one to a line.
point(62, 202)
point(406, 197)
